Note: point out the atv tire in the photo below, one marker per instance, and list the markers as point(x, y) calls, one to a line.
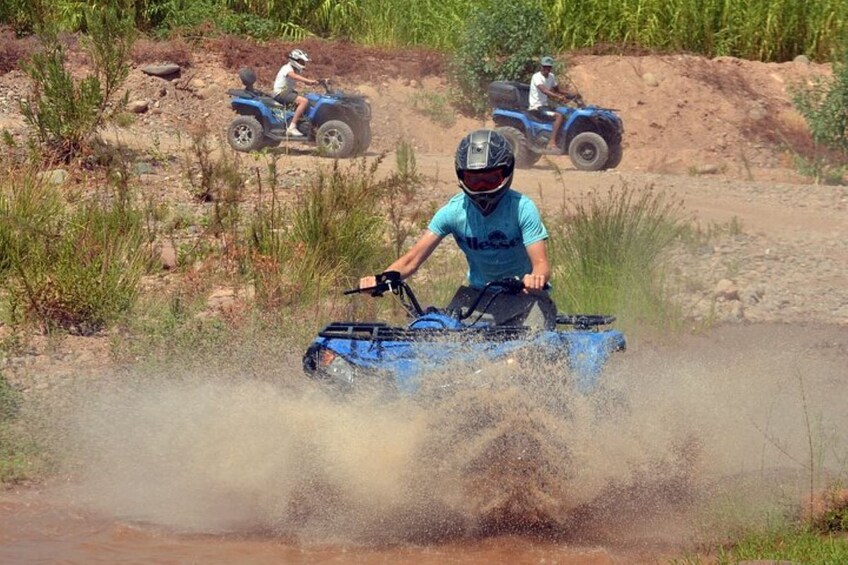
point(363, 140)
point(588, 151)
point(245, 134)
point(616, 152)
point(524, 158)
point(336, 139)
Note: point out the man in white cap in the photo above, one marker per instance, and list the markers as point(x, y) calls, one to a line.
point(544, 85)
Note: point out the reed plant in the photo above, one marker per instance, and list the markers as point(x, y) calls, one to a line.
point(607, 255)
point(327, 238)
point(74, 268)
point(767, 30)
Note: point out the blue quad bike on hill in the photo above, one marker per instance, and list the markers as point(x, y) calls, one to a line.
point(338, 123)
point(350, 354)
point(591, 136)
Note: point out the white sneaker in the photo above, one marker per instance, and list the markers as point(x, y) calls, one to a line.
point(293, 132)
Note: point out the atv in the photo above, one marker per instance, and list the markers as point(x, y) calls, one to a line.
point(591, 136)
point(339, 124)
point(351, 354)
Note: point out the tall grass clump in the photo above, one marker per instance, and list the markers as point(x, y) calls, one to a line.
point(65, 112)
point(67, 268)
point(327, 238)
point(607, 254)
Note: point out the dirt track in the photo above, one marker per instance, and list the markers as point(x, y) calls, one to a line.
point(734, 388)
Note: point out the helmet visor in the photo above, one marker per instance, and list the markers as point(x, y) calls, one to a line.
point(483, 180)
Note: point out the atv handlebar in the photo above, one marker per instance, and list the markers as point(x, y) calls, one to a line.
point(386, 281)
point(391, 281)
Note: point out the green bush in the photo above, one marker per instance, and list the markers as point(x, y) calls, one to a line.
point(65, 112)
point(823, 103)
point(503, 41)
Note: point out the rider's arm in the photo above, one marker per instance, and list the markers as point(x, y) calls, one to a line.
point(555, 93)
point(303, 79)
point(410, 261)
point(541, 268)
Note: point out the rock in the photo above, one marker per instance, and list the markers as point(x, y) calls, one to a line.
point(757, 114)
point(708, 169)
point(650, 79)
point(196, 83)
point(138, 106)
point(210, 92)
point(803, 59)
point(168, 70)
point(221, 299)
point(168, 256)
point(726, 290)
point(143, 168)
point(55, 177)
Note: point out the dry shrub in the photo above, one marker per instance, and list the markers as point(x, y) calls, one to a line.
point(176, 51)
point(13, 50)
point(358, 63)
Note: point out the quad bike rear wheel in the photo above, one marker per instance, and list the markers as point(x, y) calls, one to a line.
point(336, 139)
point(245, 134)
point(524, 158)
point(588, 151)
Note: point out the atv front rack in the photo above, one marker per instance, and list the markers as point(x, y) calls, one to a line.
point(378, 331)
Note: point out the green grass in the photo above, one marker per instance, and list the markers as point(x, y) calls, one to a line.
point(795, 545)
point(607, 256)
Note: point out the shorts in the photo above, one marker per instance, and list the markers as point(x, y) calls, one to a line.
point(286, 97)
point(533, 309)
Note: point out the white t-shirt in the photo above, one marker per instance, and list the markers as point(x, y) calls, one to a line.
point(283, 82)
point(538, 98)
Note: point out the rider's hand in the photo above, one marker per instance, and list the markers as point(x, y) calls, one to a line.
point(368, 282)
point(534, 282)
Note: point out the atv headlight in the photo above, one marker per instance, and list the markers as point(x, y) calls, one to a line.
point(335, 367)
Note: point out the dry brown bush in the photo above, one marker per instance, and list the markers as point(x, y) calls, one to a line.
point(176, 51)
point(13, 50)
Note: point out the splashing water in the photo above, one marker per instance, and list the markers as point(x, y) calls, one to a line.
point(656, 453)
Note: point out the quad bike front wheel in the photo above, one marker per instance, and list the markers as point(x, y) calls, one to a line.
point(245, 134)
point(336, 139)
point(616, 152)
point(588, 151)
point(524, 158)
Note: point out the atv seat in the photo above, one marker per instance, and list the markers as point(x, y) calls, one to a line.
point(253, 94)
point(511, 95)
point(541, 115)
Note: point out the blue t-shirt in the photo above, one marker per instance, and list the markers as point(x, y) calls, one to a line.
point(494, 245)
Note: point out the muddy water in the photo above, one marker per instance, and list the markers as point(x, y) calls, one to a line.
point(687, 441)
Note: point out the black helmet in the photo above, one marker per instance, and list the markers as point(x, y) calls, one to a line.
point(484, 166)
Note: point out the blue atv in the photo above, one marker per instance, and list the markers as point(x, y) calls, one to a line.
point(348, 355)
point(591, 136)
point(339, 124)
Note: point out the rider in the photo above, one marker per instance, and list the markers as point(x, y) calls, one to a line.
point(498, 229)
point(544, 85)
point(284, 87)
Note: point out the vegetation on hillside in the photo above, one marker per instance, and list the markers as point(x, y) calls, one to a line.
point(753, 29)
